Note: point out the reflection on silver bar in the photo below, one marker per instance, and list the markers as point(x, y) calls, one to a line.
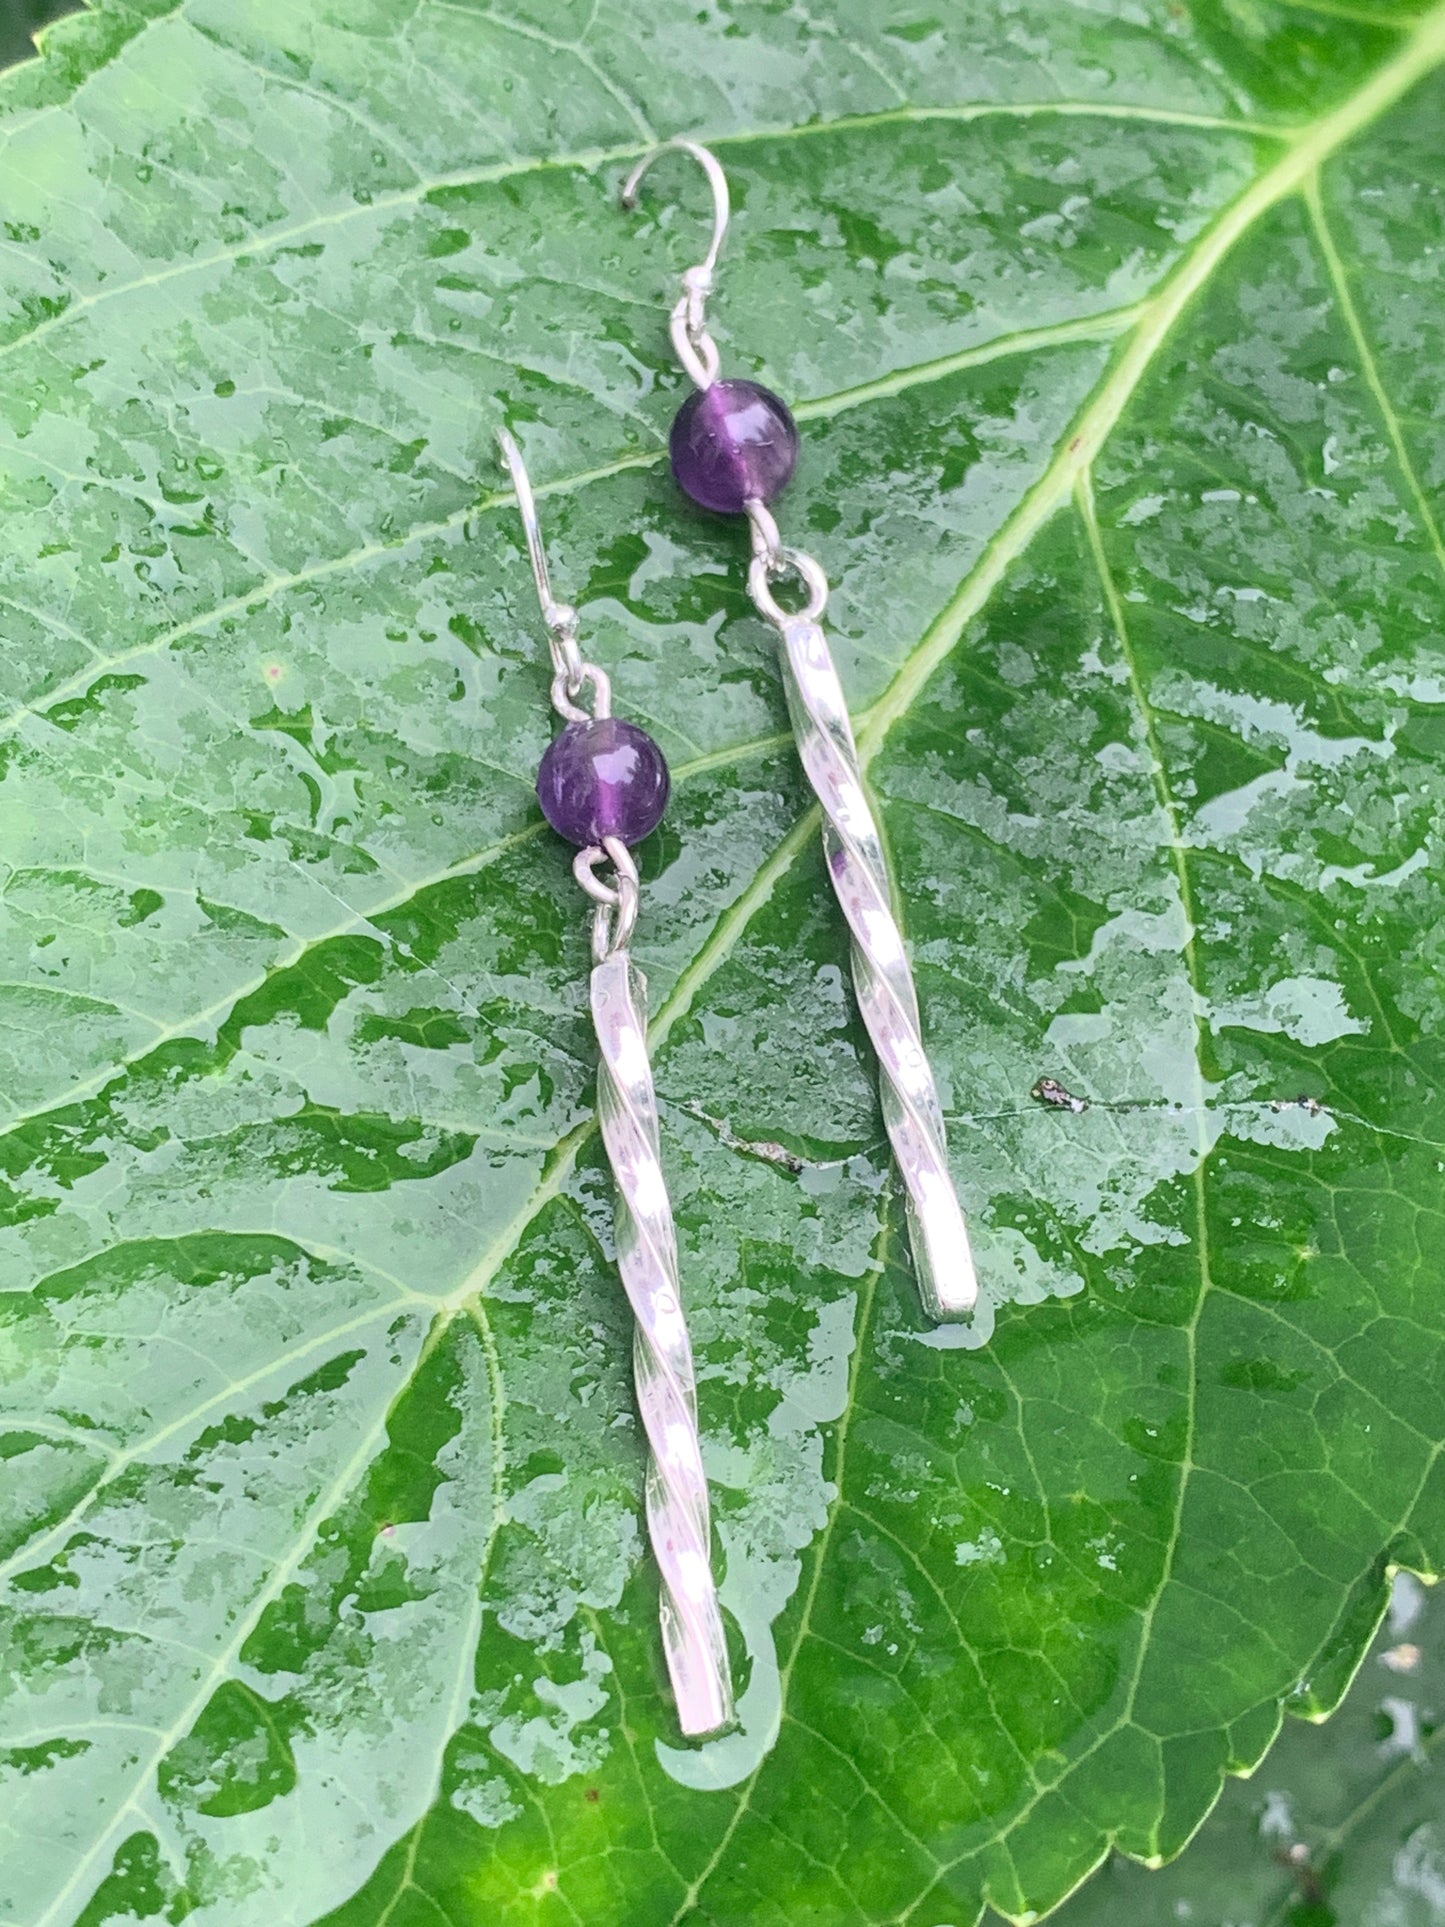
point(677, 1501)
point(881, 974)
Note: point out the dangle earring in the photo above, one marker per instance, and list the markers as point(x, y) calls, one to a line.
point(604, 785)
point(734, 446)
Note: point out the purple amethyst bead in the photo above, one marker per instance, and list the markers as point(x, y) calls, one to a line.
point(603, 778)
point(733, 443)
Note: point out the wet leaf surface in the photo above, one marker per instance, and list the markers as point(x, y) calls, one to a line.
point(1115, 335)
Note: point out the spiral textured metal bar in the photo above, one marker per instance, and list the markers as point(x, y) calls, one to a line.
point(677, 1499)
point(881, 973)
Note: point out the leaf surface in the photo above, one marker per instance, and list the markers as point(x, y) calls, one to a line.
point(1115, 335)
point(1337, 1827)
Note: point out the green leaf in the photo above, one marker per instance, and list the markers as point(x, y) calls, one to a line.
point(1338, 1829)
point(1116, 338)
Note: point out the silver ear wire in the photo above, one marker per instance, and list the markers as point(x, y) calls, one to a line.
point(696, 349)
point(717, 180)
point(570, 673)
point(555, 614)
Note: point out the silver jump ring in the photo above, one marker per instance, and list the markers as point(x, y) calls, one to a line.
point(765, 570)
point(617, 903)
point(566, 687)
point(766, 535)
point(693, 345)
point(562, 623)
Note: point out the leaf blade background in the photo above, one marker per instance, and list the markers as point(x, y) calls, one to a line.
point(363, 983)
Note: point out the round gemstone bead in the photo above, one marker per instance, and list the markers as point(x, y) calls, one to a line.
point(602, 778)
point(733, 443)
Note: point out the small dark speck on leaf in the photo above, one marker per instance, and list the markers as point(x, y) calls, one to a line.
point(1297, 1859)
point(593, 1795)
point(1049, 1090)
point(766, 1149)
point(1303, 1102)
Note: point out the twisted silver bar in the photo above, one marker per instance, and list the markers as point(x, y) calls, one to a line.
point(677, 1499)
point(881, 974)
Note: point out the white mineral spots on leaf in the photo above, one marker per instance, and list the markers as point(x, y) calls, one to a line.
point(1277, 1821)
point(1288, 1126)
point(1407, 1603)
point(1419, 1869)
point(387, 1690)
point(550, 1748)
point(221, 1486)
point(588, 1561)
point(480, 1792)
point(1312, 1010)
point(1403, 1739)
point(1417, 684)
point(986, 1550)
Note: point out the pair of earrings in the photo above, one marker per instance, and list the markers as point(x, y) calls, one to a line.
point(604, 785)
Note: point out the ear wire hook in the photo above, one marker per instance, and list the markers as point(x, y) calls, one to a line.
point(570, 673)
point(717, 180)
point(556, 615)
point(695, 347)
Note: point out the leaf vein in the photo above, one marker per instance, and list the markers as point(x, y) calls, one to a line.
point(1370, 368)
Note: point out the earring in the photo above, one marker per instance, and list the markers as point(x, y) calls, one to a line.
point(734, 446)
point(604, 785)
